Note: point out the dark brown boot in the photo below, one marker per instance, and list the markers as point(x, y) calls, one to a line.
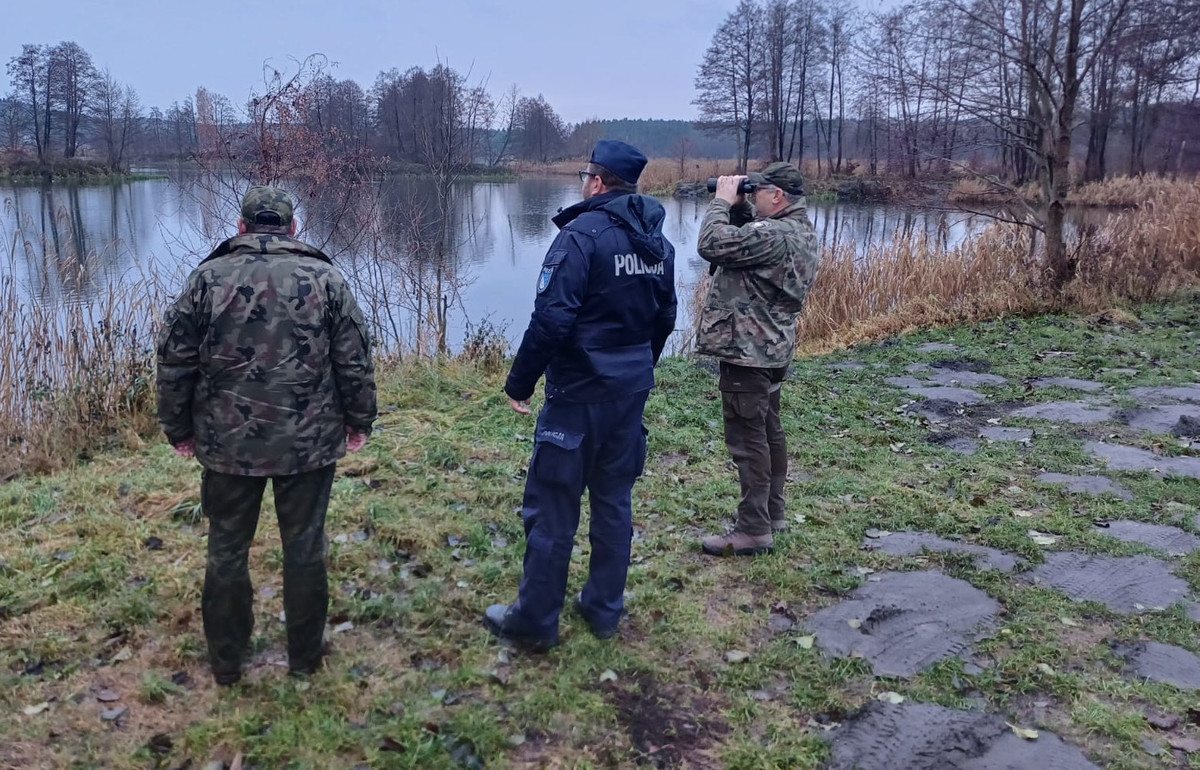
point(737, 544)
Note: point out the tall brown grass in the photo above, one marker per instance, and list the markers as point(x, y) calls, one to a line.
point(1136, 256)
point(74, 377)
point(914, 284)
point(557, 168)
point(1145, 254)
point(1128, 191)
point(662, 174)
point(980, 191)
point(974, 190)
point(1113, 192)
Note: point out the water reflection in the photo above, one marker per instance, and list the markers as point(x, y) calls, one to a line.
point(69, 244)
point(424, 254)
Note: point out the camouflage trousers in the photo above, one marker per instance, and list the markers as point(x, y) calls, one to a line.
point(754, 435)
point(232, 505)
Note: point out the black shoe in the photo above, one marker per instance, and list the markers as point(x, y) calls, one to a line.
point(304, 671)
point(600, 632)
point(309, 668)
point(227, 677)
point(496, 618)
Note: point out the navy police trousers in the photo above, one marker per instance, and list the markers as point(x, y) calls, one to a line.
point(600, 447)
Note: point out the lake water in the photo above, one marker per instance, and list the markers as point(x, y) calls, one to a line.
point(68, 244)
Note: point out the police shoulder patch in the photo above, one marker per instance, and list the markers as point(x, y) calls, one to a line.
point(544, 278)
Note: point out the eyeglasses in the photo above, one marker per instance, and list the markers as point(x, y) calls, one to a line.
point(583, 175)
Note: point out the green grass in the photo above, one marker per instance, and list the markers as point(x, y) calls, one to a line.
point(417, 682)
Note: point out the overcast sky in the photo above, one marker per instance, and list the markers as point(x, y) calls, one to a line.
point(606, 58)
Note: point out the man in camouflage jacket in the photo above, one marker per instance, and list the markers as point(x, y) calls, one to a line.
point(761, 270)
point(265, 372)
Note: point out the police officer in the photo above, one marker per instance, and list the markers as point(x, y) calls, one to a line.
point(761, 267)
point(264, 372)
point(605, 306)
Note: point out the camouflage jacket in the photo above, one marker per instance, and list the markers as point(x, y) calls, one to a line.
point(761, 272)
point(264, 360)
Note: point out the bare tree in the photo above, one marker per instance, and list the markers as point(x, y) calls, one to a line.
point(182, 128)
point(780, 69)
point(12, 121)
point(910, 89)
point(349, 116)
point(840, 33)
point(73, 81)
point(154, 131)
point(479, 116)
point(208, 140)
point(431, 118)
point(1161, 41)
point(274, 143)
point(809, 36)
point(731, 83)
point(1043, 51)
point(682, 150)
point(898, 58)
point(117, 114)
point(584, 137)
point(388, 112)
point(509, 106)
point(106, 111)
point(871, 108)
point(541, 133)
point(30, 74)
point(1103, 87)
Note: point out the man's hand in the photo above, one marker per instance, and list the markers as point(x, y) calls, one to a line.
point(727, 188)
point(520, 407)
point(185, 449)
point(355, 440)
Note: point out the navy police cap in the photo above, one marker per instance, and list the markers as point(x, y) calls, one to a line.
point(624, 160)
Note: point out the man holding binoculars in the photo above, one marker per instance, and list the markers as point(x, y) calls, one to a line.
point(762, 254)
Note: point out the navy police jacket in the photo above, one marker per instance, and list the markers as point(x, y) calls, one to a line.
point(605, 303)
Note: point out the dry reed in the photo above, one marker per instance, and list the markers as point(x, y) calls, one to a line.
point(975, 190)
point(662, 174)
point(914, 284)
point(1136, 256)
point(74, 376)
point(1128, 192)
point(1114, 192)
point(76, 363)
point(1145, 254)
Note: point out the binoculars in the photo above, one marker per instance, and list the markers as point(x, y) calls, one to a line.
point(744, 187)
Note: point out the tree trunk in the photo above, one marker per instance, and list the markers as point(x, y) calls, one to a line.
point(1061, 269)
point(1096, 166)
point(744, 161)
point(44, 152)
